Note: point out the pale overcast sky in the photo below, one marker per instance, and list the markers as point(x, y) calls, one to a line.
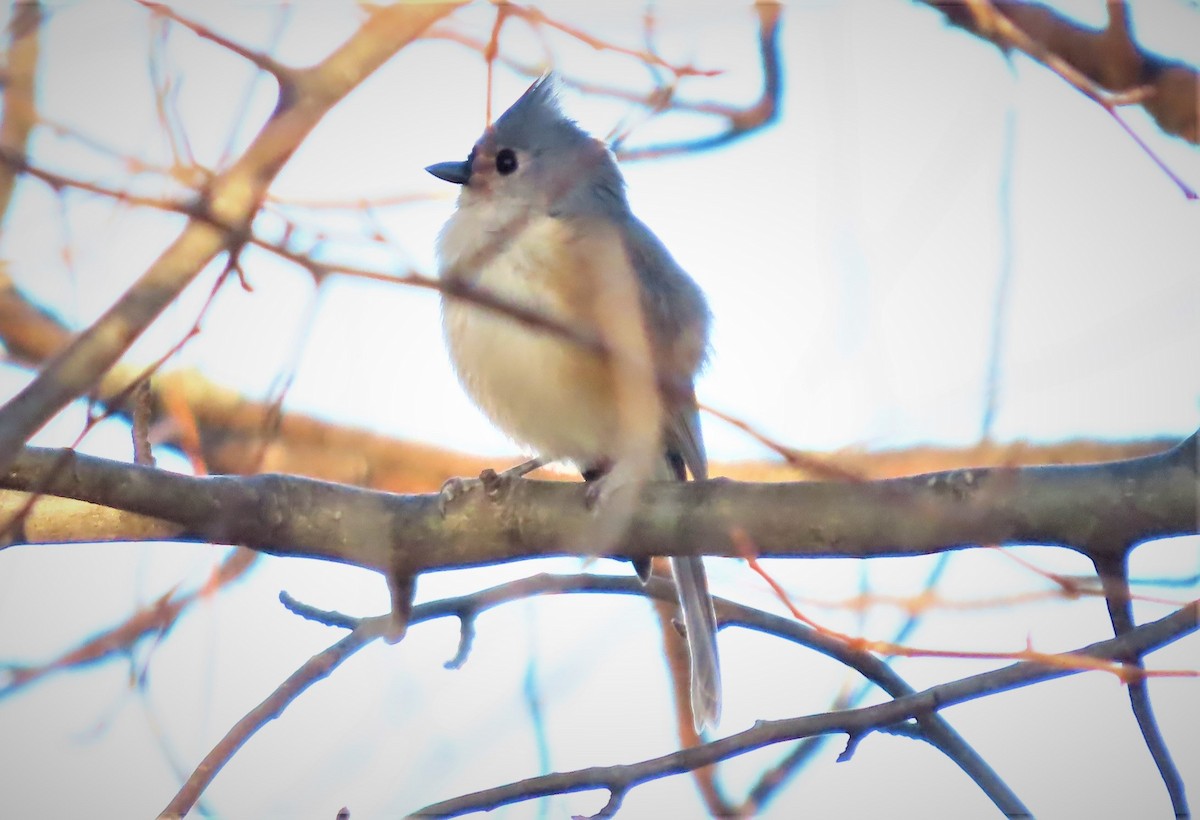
point(851, 255)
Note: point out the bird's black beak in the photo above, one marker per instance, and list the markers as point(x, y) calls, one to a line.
point(457, 172)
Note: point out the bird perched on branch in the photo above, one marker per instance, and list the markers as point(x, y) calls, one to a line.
point(607, 380)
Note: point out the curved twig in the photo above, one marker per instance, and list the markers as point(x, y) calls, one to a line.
point(1114, 576)
point(233, 197)
point(856, 723)
point(317, 667)
point(929, 727)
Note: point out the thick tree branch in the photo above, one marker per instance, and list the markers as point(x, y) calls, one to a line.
point(51, 520)
point(20, 113)
point(1108, 57)
point(1128, 501)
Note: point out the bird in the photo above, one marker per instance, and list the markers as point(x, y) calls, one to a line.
point(543, 222)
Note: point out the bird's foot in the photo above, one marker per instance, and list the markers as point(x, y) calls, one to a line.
point(491, 482)
point(599, 484)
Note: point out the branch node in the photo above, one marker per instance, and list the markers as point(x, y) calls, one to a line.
point(852, 741)
point(402, 587)
point(615, 796)
point(466, 639)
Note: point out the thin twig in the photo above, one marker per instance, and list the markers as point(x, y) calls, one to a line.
point(260, 59)
point(234, 198)
point(729, 614)
point(740, 125)
point(316, 668)
point(618, 780)
point(1114, 576)
point(154, 619)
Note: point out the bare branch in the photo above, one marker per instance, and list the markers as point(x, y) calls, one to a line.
point(1092, 60)
point(51, 520)
point(233, 199)
point(154, 619)
point(1135, 500)
point(20, 113)
point(741, 122)
point(855, 723)
point(263, 61)
point(317, 668)
point(931, 727)
point(1114, 576)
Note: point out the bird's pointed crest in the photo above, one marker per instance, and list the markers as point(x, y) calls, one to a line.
point(535, 121)
point(541, 94)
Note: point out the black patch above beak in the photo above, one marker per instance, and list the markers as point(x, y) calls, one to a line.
point(457, 172)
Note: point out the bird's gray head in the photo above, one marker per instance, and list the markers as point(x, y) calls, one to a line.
point(535, 158)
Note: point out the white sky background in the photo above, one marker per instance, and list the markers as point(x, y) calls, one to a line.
point(851, 256)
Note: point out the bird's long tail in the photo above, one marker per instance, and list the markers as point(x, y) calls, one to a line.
point(700, 621)
point(695, 601)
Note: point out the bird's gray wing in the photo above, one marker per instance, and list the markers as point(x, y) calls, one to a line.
point(677, 319)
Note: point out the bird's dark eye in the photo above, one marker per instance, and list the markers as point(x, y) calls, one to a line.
point(506, 161)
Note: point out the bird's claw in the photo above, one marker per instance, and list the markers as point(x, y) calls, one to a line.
point(452, 490)
point(491, 482)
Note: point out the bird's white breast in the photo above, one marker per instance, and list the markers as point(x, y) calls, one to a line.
point(539, 388)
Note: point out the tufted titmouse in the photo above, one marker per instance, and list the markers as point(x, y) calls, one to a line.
point(543, 222)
